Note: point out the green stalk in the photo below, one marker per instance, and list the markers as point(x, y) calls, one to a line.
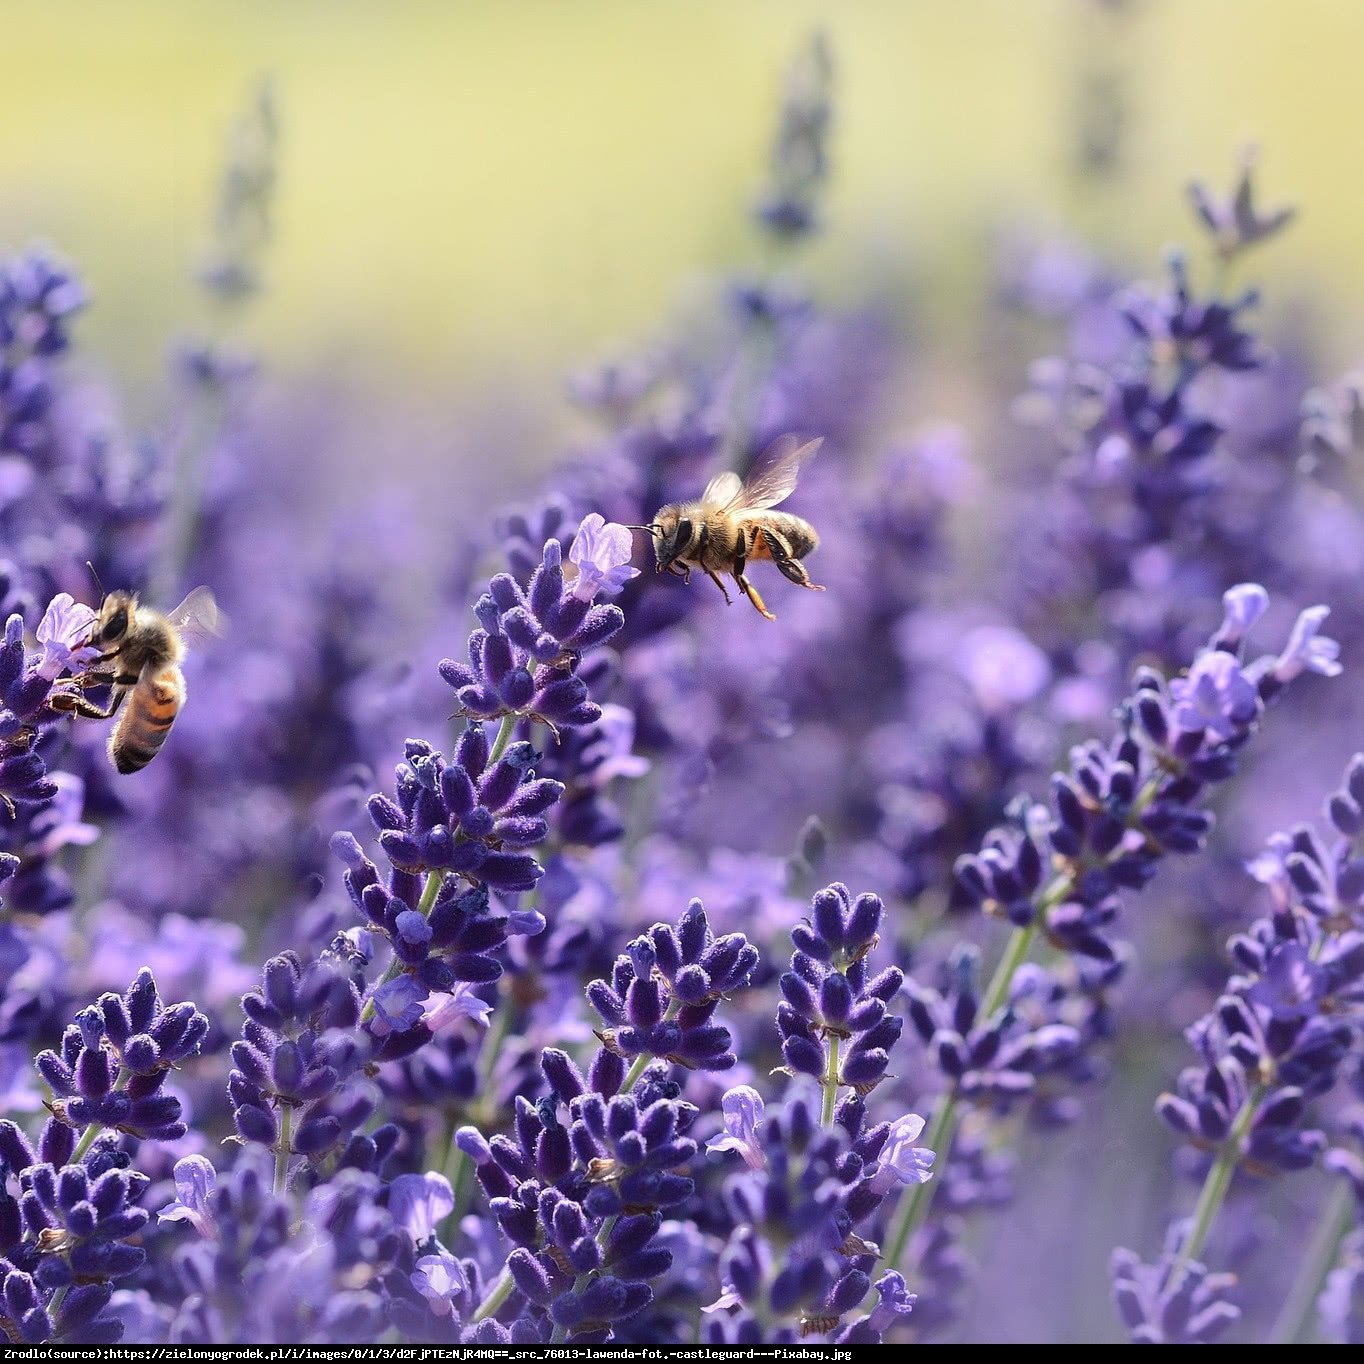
point(88, 1136)
point(286, 1123)
point(504, 733)
point(942, 1127)
point(497, 1295)
point(830, 1083)
point(1215, 1185)
point(1291, 1325)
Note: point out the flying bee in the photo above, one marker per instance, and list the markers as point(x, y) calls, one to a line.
point(141, 650)
point(733, 523)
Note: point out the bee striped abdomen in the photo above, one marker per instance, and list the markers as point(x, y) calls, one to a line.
point(151, 710)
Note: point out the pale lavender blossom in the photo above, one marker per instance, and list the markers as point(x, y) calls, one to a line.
point(601, 552)
point(438, 1278)
point(61, 823)
point(1242, 607)
point(398, 1006)
point(62, 633)
point(743, 1111)
point(420, 1203)
point(1216, 696)
point(893, 1302)
point(443, 1012)
point(195, 1183)
point(1307, 651)
point(901, 1161)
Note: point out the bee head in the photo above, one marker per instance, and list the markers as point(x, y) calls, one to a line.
point(672, 529)
point(115, 616)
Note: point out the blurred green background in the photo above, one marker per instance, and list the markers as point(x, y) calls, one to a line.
point(475, 192)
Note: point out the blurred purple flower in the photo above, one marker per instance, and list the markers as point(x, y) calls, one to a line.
point(419, 1203)
point(195, 1183)
point(1307, 651)
point(1216, 696)
point(1002, 665)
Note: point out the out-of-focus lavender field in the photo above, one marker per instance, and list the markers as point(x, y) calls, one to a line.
point(505, 942)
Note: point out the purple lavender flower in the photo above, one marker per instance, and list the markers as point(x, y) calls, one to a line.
point(419, 1203)
point(1234, 220)
point(664, 991)
point(601, 554)
point(1163, 1305)
point(114, 1060)
point(523, 661)
point(62, 633)
point(743, 1110)
point(195, 1183)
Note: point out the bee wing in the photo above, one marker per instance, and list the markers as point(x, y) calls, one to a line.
point(773, 479)
point(198, 618)
point(723, 490)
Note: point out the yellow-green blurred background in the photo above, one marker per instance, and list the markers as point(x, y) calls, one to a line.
point(476, 190)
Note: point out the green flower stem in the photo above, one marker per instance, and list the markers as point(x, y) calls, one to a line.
point(497, 1295)
point(830, 1083)
point(942, 1128)
point(88, 1136)
point(459, 1169)
point(282, 1153)
point(504, 733)
point(1216, 1184)
point(1292, 1323)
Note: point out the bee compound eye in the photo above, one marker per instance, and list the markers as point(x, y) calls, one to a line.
point(117, 624)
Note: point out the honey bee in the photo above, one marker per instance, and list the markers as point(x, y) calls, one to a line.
point(141, 650)
point(733, 523)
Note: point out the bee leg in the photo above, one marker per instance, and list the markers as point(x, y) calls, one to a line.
point(749, 590)
point(76, 704)
point(786, 562)
point(718, 581)
point(680, 571)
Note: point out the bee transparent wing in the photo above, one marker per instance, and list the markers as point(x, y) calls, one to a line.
point(773, 479)
point(198, 618)
point(723, 490)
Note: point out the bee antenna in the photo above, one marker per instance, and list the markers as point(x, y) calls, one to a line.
point(99, 586)
point(649, 528)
